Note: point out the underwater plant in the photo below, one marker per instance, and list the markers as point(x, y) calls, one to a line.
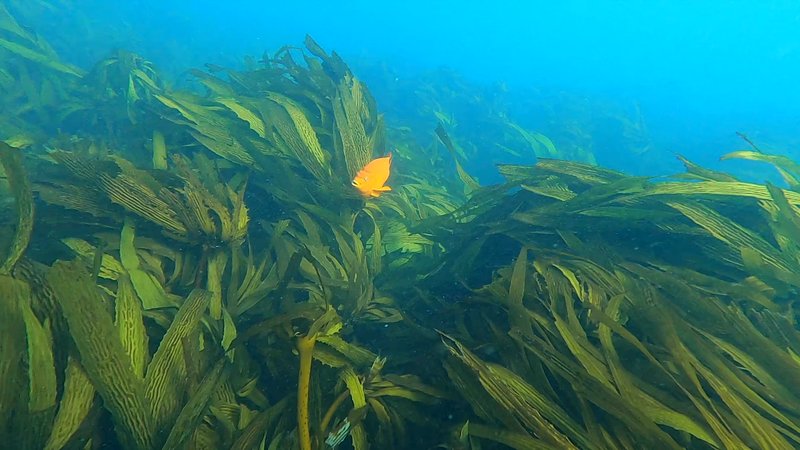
point(195, 269)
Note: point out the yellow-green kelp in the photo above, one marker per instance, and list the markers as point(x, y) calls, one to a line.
point(200, 274)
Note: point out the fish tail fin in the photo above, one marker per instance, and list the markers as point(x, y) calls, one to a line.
point(379, 190)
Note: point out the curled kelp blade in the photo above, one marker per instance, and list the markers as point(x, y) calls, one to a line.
point(787, 168)
point(470, 183)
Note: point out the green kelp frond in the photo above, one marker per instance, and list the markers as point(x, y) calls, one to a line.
point(199, 210)
point(105, 183)
point(12, 351)
point(186, 424)
point(130, 325)
point(168, 366)
point(351, 110)
point(41, 366)
point(20, 188)
point(211, 126)
point(342, 274)
point(470, 183)
point(296, 136)
point(264, 427)
point(787, 168)
point(251, 280)
point(393, 399)
point(143, 393)
point(29, 408)
point(36, 86)
point(130, 76)
point(19, 42)
point(489, 123)
point(689, 323)
point(242, 112)
point(519, 403)
point(103, 356)
point(304, 115)
point(542, 146)
point(119, 85)
point(398, 229)
point(696, 172)
point(74, 406)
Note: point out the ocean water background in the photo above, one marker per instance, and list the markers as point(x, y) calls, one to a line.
point(699, 71)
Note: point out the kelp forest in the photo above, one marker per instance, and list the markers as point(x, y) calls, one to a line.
point(191, 268)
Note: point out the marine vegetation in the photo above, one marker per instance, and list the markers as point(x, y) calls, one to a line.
point(514, 124)
point(193, 268)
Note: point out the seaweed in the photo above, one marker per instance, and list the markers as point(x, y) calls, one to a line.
point(200, 274)
point(20, 188)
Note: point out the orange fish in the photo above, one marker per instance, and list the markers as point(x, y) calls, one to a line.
point(370, 180)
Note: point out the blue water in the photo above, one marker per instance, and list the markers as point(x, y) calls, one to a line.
point(699, 70)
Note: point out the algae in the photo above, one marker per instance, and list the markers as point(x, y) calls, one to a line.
point(199, 274)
